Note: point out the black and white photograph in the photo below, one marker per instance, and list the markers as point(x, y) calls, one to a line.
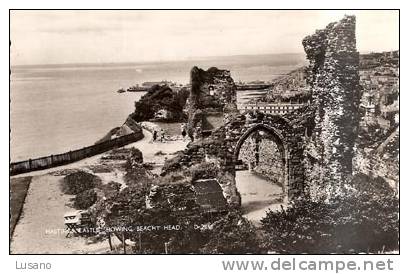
point(204, 132)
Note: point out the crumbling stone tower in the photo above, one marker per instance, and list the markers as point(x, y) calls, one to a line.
point(212, 96)
point(333, 77)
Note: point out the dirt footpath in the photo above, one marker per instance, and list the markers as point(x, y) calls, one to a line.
point(41, 226)
point(40, 229)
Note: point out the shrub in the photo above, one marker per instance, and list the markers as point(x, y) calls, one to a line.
point(137, 175)
point(204, 171)
point(364, 223)
point(233, 234)
point(111, 189)
point(160, 153)
point(136, 155)
point(365, 220)
point(78, 182)
point(85, 199)
point(302, 228)
point(173, 164)
point(173, 177)
point(371, 222)
point(161, 97)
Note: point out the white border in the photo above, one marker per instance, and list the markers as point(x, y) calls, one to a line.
point(195, 263)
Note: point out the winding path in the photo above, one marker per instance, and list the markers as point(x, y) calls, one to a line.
point(258, 195)
point(40, 229)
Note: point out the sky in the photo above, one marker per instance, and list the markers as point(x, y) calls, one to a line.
point(59, 37)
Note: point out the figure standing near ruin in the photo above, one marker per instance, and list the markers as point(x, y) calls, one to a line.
point(183, 130)
point(211, 90)
point(248, 118)
point(192, 138)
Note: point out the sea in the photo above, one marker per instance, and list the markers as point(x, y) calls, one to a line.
point(58, 108)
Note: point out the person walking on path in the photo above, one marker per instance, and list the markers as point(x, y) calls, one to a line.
point(154, 135)
point(162, 135)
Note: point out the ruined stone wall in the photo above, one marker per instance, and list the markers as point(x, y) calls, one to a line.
point(381, 162)
point(222, 148)
point(248, 151)
point(375, 165)
point(212, 91)
point(215, 150)
point(333, 77)
point(318, 140)
point(264, 158)
point(213, 88)
point(271, 165)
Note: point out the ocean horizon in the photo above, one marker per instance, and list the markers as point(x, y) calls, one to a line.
point(60, 107)
point(252, 57)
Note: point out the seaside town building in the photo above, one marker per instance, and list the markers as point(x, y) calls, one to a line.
point(379, 79)
point(270, 108)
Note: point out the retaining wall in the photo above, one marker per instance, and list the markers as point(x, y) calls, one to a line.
point(72, 156)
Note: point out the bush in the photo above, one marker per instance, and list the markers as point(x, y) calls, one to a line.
point(204, 171)
point(136, 155)
point(161, 97)
point(160, 153)
point(111, 187)
point(137, 175)
point(366, 220)
point(173, 164)
point(85, 199)
point(233, 234)
point(78, 182)
point(302, 228)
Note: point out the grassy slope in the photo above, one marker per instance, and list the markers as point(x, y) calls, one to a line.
point(18, 193)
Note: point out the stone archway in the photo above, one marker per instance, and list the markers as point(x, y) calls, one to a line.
point(223, 145)
point(281, 144)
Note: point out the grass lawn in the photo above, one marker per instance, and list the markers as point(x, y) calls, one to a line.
point(18, 192)
point(172, 129)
